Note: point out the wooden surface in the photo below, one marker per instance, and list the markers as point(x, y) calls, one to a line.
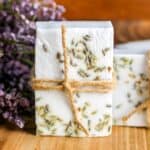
point(122, 138)
point(106, 9)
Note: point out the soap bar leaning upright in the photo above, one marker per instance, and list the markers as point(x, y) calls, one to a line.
point(132, 87)
point(90, 52)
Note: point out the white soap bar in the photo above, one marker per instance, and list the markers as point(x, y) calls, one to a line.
point(90, 50)
point(132, 87)
point(140, 46)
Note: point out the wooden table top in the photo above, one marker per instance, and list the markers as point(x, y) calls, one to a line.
point(122, 138)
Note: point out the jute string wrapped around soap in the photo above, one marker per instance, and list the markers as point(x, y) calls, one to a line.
point(146, 103)
point(70, 87)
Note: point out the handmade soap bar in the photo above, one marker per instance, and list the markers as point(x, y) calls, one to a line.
point(132, 86)
point(90, 52)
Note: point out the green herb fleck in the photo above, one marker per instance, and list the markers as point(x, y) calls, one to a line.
point(129, 95)
point(82, 73)
point(108, 105)
point(118, 106)
point(104, 51)
point(87, 37)
point(89, 125)
point(59, 57)
point(102, 123)
point(94, 112)
point(99, 69)
point(44, 47)
point(38, 99)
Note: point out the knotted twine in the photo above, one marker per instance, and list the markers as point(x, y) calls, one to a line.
point(146, 103)
point(71, 86)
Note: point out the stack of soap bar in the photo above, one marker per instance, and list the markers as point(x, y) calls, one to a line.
point(132, 86)
point(90, 50)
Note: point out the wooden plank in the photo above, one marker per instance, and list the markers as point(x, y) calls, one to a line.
point(18, 140)
point(3, 136)
point(122, 138)
point(106, 9)
point(148, 138)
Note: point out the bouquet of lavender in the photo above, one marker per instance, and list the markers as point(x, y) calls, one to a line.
point(17, 40)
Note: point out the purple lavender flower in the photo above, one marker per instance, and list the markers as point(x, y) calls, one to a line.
point(17, 41)
point(11, 105)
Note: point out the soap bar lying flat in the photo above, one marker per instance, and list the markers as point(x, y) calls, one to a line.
point(132, 87)
point(90, 50)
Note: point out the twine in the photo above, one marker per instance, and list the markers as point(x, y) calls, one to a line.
point(146, 103)
point(70, 86)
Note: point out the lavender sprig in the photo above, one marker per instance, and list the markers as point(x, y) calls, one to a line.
point(17, 41)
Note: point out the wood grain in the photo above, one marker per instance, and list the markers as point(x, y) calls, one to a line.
point(122, 138)
point(106, 9)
